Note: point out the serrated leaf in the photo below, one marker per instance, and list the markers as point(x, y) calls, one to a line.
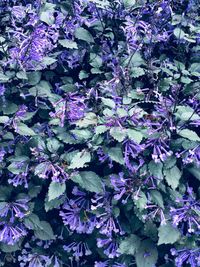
point(54, 203)
point(89, 180)
point(191, 135)
point(3, 77)
point(173, 176)
point(4, 119)
point(46, 14)
point(23, 129)
point(137, 72)
point(170, 162)
point(115, 153)
point(157, 198)
point(185, 113)
point(68, 44)
point(101, 129)
point(155, 169)
point(129, 245)
point(108, 102)
point(83, 75)
point(89, 119)
point(45, 232)
point(135, 136)
point(168, 234)
point(80, 159)
point(140, 201)
point(84, 35)
point(118, 133)
point(53, 145)
point(147, 254)
point(56, 190)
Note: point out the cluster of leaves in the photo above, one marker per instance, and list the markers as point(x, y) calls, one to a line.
point(99, 144)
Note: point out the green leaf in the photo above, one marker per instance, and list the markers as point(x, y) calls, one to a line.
point(84, 35)
point(140, 201)
point(9, 108)
point(180, 34)
point(157, 198)
point(108, 102)
point(45, 232)
point(34, 77)
point(3, 78)
point(4, 119)
point(155, 169)
point(23, 129)
point(191, 135)
point(80, 159)
point(48, 60)
point(173, 176)
point(170, 162)
point(56, 190)
point(10, 248)
point(185, 113)
point(129, 3)
point(168, 234)
point(54, 203)
point(53, 145)
point(68, 44)
point(46, 14)
point(42, 89)
point(101, 129)
point(89, 119)
point(115, 153)
point(195, 171)
point(83, 75)
point(137, 72)
point(34, 191)
point(32, 222)
point(89, 180)
point(118, 133)
point(22, 75)
point(95, 60)
point(147, 254)
point(135, 135)
point(129, 245)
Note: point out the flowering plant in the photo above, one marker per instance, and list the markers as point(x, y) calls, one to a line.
point(99, 144)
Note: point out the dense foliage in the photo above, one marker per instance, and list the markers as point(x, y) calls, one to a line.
point(99, 145)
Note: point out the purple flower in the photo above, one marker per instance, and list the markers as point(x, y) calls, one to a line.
point(187, 212)
point(108, 224)
point(71, 216)
point(110, 247)
point(101, 264)
point(2, 154)
point(2, 89)
point(131, 152)
point(10, 234)
point(190, 156)
point(186, 256)
point(32, 48)
point(123, 187)
point(19, 179)
point(16, 209)
point(79, 249)
point(34, 260)
point(103, 157)
point(71, 108)
point(161, 151)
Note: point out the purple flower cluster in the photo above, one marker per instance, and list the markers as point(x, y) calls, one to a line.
point(99, 140)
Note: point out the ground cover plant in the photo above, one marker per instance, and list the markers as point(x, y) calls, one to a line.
point(99, 144)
